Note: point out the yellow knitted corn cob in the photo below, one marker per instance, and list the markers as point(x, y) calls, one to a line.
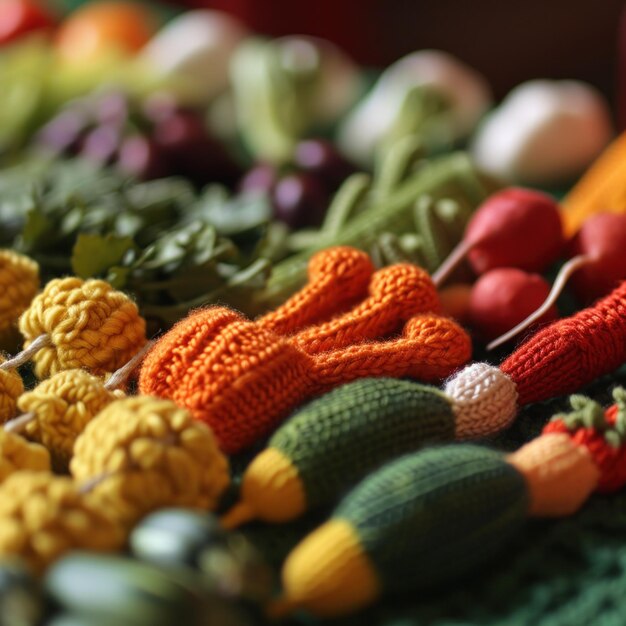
point(62, 406)
point(43, 516)
point(144, 453)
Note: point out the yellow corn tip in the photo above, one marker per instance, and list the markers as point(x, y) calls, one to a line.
point(19, 282)
point(328, 574)
point(63, 405)
point(17, 454)
point(271, 490)
point(90, 324)
point(43, 516)
point(150, 453)
point(560, 475)
point(11, 387)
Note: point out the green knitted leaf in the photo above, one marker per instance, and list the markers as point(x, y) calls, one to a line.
point(337, 439)
point(430, 516)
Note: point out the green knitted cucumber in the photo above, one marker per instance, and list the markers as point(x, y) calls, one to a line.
point(418, 521)
point(330, 444)
point(444, 508)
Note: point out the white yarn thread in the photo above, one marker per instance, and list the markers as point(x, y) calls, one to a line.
point(484, 400)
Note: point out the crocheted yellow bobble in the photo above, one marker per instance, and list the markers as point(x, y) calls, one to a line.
point(144, 453)
point(62, 406)
point(43, 516)
point(18, 454)
point(11, 387)
point(19, 282)
point(90, 325)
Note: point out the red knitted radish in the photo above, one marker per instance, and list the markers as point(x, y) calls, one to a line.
point(503, 297)
point(512, 228)
point(598, 260)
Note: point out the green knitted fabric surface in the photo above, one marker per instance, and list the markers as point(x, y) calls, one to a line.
point(565, 572)
point(430, 515)
point(394, 417)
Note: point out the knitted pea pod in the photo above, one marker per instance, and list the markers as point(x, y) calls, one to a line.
point(337, 439)
point(415, 522)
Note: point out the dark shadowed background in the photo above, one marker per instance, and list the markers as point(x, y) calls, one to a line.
point(509, 41)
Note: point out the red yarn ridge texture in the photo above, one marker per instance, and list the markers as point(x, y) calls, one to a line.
point(572, 352)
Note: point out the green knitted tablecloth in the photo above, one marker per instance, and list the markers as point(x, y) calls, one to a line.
point(566, 572)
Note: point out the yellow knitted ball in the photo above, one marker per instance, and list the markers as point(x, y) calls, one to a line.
point(11, 387)
point(151, 454)
point(43, 516)
point(18, 454)
point(19, 282)
point(90, 324)
point(63, 405)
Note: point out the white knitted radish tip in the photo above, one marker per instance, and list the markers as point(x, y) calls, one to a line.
point(484, 400)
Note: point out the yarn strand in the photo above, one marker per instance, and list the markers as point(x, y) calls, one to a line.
point(43, 341)
point(564, 274)
point(18, 424)
point(119, 377)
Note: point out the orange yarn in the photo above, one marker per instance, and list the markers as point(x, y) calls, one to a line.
point(242, 377)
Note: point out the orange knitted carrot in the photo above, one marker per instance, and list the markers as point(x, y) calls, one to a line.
point(243, 378)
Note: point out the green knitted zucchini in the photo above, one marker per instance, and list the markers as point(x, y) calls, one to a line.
point(419, 520)
point(330, 444)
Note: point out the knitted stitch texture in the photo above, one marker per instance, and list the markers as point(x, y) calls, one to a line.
point(484, 400)
point(600, 433)
point(19, 282)
point(342, 436)
point(396, 294)
point(11, 387)
point(559, 474)
point(336, 279)
point(394, 513)
point(43, 516)
point(571, 352)
point(90, 325)
point(242, 379)
point(18, 454)
point(145, 453)
point(406, 518)
point(337, 439)
point(63, 405)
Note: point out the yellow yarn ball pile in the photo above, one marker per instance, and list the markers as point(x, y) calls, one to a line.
point(149, 453)
point(18, 454)
point(19, 282)
point(63, 405)
point(11, 388)
point(90, 325)
point(43, 516)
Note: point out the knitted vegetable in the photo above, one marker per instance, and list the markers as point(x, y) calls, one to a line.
point(336, 440)
point(242, 378)
point(559, 359)
point(551, 476)
point(19, 282)
point(143, 453)
point(387, 535)
point(43, 516)
point(79, 324)
point(17, 454)
point(11, 387)
point(61, 407)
